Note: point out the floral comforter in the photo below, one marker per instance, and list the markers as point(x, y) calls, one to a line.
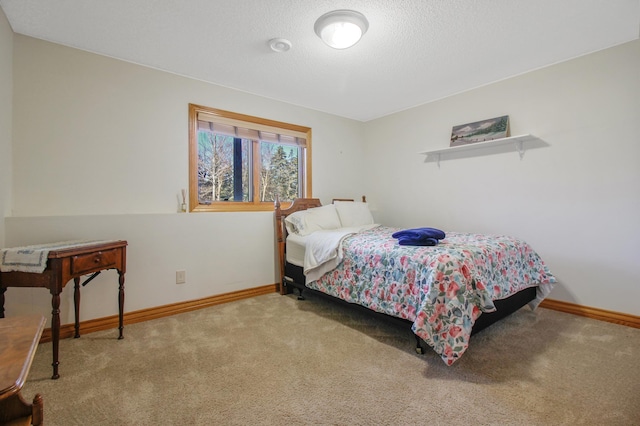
point(442, 289)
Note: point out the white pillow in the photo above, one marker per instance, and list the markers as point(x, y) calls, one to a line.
point(295, 221)
point(307, 221)
point(353, 213)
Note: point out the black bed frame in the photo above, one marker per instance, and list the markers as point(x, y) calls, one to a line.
point(292, 277)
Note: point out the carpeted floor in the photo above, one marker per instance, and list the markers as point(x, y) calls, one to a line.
point(274, 360)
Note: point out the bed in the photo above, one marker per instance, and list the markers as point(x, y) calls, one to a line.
point(445, 292)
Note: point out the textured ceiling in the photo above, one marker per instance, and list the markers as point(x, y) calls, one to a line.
point(415, 51)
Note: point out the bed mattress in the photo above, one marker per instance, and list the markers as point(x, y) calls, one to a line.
point(296, 245)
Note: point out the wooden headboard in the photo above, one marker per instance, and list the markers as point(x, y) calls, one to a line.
point(281, 230)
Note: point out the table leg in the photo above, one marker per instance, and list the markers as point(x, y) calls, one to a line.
point(37, 411)
point(121, 304)
point(55, 331)
point(2, 290)
point(76, 302)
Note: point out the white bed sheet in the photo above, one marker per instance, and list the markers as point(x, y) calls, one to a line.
point(325, 254)
point(296, 247)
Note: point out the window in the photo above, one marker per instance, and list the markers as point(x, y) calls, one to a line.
point(242, 163)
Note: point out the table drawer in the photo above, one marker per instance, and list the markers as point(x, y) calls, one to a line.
point(94, 262)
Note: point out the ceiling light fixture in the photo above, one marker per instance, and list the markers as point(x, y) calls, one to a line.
point(279, 44)
point(341, 28)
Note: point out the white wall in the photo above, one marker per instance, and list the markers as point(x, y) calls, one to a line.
point(94, 135)
point(100, 151)
point(576, 201)
point(6, 98)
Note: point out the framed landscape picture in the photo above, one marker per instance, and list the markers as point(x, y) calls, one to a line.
point(480, 131)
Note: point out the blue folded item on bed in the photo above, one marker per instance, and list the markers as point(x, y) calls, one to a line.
point(410, 241)
point(420, 233)
point(419, 236)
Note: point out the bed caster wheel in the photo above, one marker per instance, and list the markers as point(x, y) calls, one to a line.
point(419, 349)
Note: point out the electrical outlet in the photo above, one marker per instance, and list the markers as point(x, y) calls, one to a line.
point(181, 277)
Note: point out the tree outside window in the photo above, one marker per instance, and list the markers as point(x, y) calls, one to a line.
point(239, 162)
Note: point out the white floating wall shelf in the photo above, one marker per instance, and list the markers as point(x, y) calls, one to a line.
point(518, 141)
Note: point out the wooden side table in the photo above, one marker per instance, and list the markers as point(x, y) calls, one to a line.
point(63, 265)
point(19, 337)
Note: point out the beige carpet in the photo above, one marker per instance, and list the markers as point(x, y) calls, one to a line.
point(273, 360)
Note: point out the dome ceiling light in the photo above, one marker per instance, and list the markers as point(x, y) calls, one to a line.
point(341, 29)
